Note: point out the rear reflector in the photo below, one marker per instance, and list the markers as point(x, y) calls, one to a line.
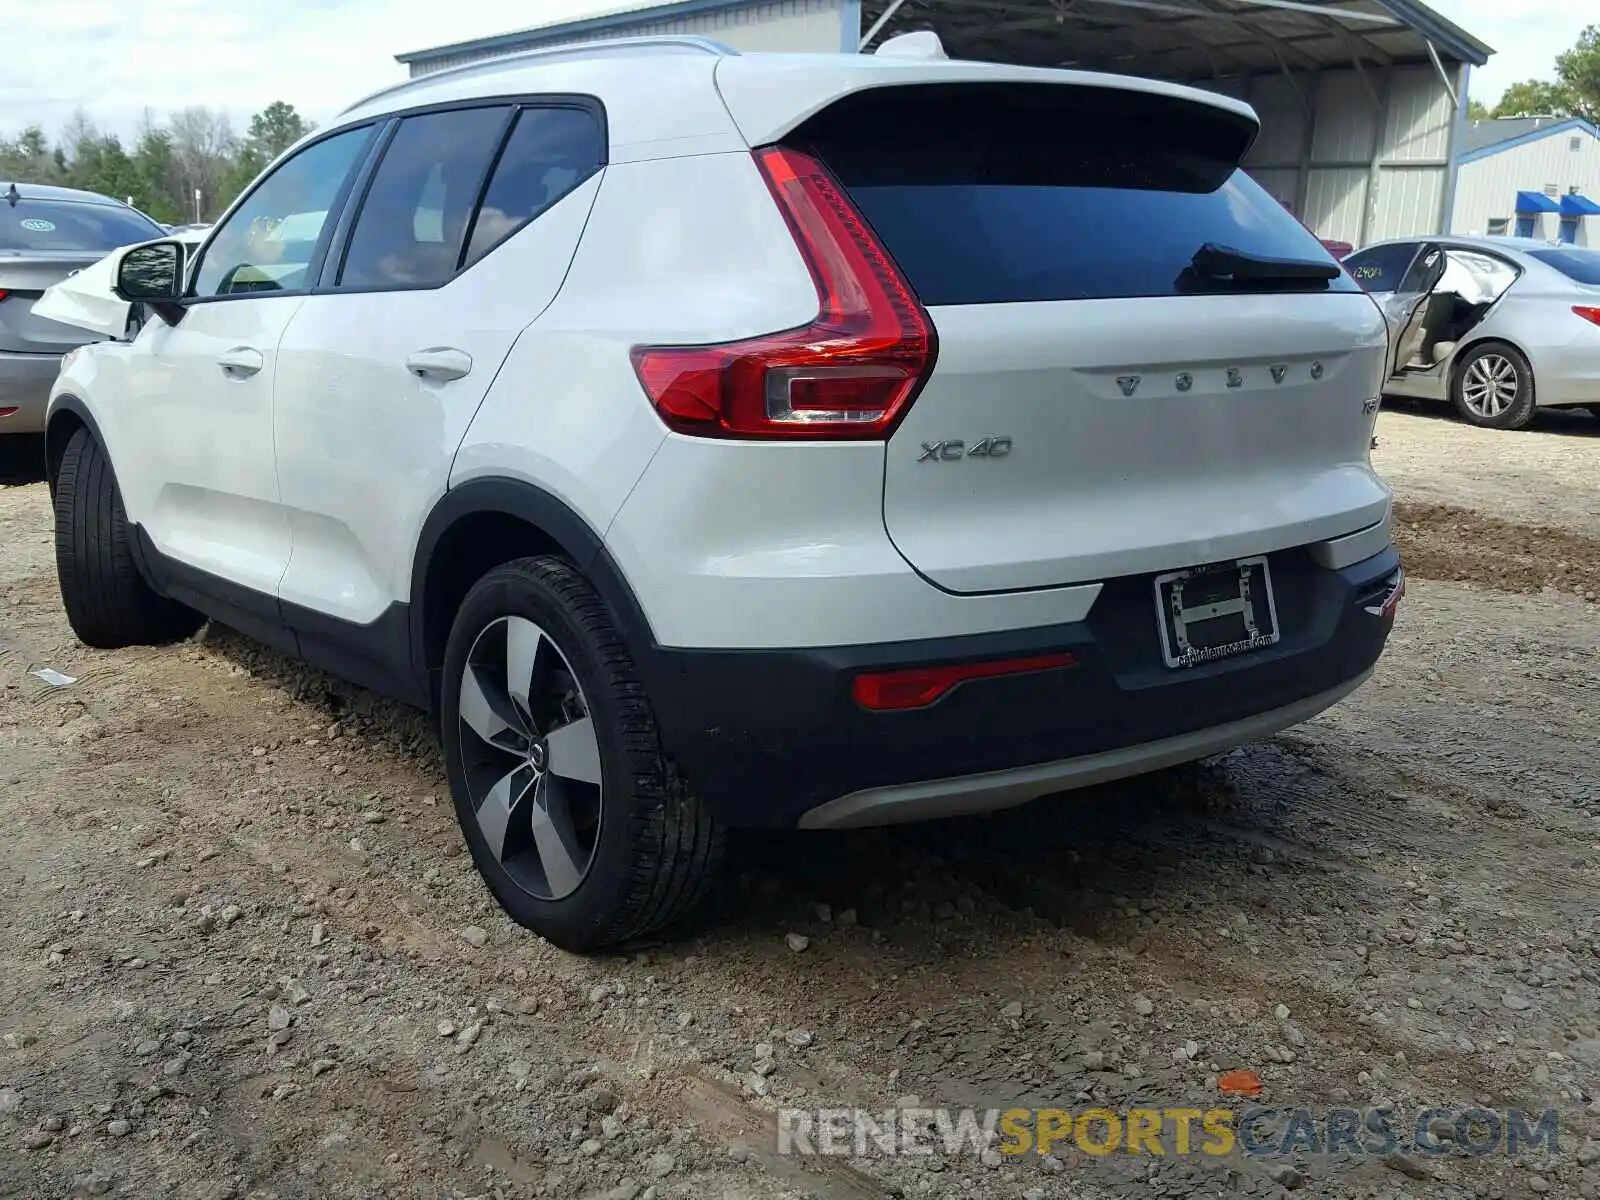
point(4, 293)
point(918, 687)
point(1394, 592)
point(1587, 312)
point(851, 373)
point(6, 412)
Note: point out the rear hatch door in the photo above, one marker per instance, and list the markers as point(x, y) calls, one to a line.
point(1144, 361)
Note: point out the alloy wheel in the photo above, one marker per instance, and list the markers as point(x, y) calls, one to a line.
point(531, 758)
point(1489, 386)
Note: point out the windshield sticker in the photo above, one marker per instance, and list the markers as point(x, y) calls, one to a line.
point(38, 225)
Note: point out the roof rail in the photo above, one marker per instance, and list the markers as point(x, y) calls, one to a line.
point(603, 48)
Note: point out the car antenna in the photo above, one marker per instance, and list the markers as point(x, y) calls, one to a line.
point(12, 196)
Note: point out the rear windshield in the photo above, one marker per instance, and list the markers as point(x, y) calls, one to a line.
point(1583, 266)
point(993, 193)
point(42, 225)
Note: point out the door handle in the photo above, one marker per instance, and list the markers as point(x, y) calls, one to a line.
point(439, 364)
point(241, 362)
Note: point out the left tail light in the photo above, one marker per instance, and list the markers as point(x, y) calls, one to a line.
point(1587, 312)
point(850, 374)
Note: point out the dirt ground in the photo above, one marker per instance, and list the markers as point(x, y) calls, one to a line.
point(245, 955)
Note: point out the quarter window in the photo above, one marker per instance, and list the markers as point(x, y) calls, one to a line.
point(414, 219)
point(550, 152)
point(269, 242)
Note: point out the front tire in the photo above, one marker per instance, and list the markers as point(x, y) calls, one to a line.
point(1493, 387)
point(108, 603)
point(573, 817)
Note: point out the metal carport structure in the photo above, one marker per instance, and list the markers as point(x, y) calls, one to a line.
point(1362, 102)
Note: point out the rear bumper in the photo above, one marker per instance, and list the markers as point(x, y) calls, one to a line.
point(775, 738)
point(25, 383)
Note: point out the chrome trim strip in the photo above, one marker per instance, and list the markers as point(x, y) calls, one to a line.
point(993, 790)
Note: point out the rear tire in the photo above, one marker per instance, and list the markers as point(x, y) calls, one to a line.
point(580, 827)
point(1493, 387)
point(108, 603)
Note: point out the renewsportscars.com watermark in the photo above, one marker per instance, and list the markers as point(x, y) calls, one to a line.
point(1256, 1131)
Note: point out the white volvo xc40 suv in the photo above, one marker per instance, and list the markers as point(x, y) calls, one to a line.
point(714, 440)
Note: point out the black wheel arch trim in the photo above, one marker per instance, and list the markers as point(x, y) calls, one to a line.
point(532, 504)
point(68, 403)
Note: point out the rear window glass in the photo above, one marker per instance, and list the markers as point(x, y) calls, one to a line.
point(44, 225)
point(996, 193)
point(1582, 266)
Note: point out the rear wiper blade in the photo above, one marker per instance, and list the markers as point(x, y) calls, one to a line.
point(1214, 261)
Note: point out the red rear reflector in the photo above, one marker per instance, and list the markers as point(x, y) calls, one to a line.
point(918, 687)
point(6, 412)
point(1588, 313)
point(4, 293)
point(851, 373)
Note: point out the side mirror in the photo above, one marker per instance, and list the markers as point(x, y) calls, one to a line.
point(153, 275)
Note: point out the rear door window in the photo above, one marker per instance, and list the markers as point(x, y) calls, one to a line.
point(414, 220)
point(1381, 268)
point(997, 193)
point(41, 226)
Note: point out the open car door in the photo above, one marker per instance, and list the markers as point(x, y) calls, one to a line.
point(1406, 309)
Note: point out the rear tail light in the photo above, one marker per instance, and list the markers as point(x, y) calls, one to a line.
point(1587, 312)
point(4, 293)
point(918, 687)
point(6, 412)
point(851, 373)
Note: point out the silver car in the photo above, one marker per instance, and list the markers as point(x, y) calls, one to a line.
point(47, 233)
point(1498, 326)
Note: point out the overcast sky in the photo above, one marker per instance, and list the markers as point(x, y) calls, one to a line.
point(114, 57)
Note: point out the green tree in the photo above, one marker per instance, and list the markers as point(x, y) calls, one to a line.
point(155, 168)
point(272, 131)
point(1477, 110)
point(27, 158)
point(1579, 72)
point(275, 128)
point(241, 173)
point(1535, 98)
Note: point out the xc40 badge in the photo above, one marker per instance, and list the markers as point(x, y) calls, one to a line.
point(953, 449)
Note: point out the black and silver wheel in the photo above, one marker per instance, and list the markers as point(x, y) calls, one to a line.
point(530, 759)
point(572, 815)
point(1494, 387)
point(108, 602)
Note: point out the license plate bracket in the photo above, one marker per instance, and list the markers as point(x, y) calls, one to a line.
point(1215, 611)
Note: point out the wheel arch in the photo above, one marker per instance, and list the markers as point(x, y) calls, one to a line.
point(68, 414)
point(483, 523)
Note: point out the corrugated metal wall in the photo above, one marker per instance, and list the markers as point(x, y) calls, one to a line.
point(1487, 187)
point(774, 25)
point(1357, 156)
